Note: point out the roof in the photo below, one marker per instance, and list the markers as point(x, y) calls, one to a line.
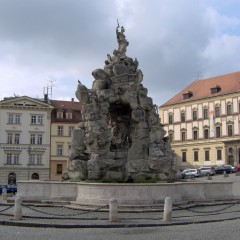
point(201, 89)
point(66, 105)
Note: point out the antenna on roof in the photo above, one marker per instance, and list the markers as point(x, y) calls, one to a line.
point(49, 89)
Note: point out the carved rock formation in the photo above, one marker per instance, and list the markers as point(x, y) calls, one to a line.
point(120, 134)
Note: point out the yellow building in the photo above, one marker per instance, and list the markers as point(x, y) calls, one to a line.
point(202, 122)
point(65, 116)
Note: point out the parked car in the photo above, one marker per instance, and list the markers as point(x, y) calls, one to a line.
point(238, 167)
point(207, 171)
point(191, 173)
point(223, 168)
point(10, 188)
point(234, 168)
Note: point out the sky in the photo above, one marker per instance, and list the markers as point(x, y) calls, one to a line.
point(50, 45)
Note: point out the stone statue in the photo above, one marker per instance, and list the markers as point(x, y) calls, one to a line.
point(120, 134)
point(122, 41)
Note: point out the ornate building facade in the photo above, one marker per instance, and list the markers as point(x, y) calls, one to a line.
point(24, 139)
point(202, 122)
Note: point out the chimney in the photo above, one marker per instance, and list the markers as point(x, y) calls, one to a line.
point(45, 97)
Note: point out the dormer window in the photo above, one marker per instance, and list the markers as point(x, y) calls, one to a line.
point(187, 95)
point(59, 114)
point(68, 115)
point(215, 89)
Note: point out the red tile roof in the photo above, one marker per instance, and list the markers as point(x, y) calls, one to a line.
point(66, 105)
point(201, 89)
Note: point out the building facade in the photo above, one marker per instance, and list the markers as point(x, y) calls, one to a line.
point(24, 139)
point(202, 122)
point(64, 118)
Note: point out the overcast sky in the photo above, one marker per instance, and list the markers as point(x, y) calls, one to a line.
point(44, 42)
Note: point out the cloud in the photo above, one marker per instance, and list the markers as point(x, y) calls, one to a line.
point(173, 40)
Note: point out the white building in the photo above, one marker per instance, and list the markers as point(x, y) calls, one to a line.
point(24, 139)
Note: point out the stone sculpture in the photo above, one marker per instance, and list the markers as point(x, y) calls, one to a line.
point(120, 134)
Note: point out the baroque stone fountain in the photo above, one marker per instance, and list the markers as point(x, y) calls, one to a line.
point(120, 135)
point(120, 138)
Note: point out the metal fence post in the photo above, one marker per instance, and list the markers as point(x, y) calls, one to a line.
point(167, 215)
point(18, 209)
point(113, 210)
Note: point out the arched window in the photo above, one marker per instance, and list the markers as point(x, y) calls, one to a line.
point(12, 179)
point(35, 176)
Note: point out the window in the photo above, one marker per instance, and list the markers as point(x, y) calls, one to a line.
point(195, 135)
point(12, 158)
point(40, 120)
point(32, 139)
point(37, 119)
point(60, 130)
point(9, 138)
point(32, 159)
point(10, 118)
point(35, 176)
point(39, 159)
point(17, 119)
point(217, 111)
point(218, 132)
point(68, 115)
point(207, 155)
point(14, 118)
point(195, 155)
point(59, 114)
point(183, 136)
point(183, 117)
point(229, 109)
point(205, 113)
point(9, 158)
point(230, 130)
point(170, 118)
point(187, 95)
point(184, 156)
point(215, 89)
point(33, 119)
point(13, 138)
point(219, 154)
point(59, 150)
point(17, 138)
point(16, 158)
point(39, 139)
point(206, 134)
point(59, 168)
point(194, 115)
point(70, 131)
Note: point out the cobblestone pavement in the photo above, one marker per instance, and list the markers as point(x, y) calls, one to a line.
point(49, 215)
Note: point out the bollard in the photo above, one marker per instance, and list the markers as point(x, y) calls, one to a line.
point(167, 215)
point(4, 194)
point(225, 174)
point(113, 210)
point(209, 177)
point(18, 209)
